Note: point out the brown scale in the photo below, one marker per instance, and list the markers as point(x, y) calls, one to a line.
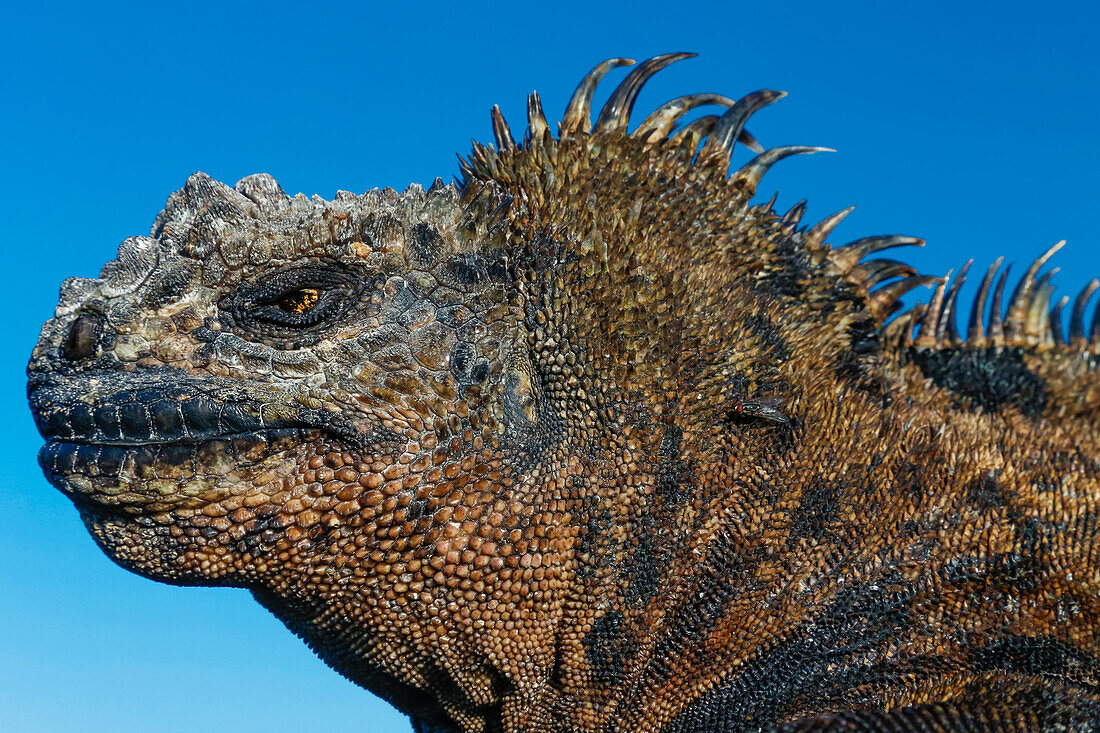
point(589, 443)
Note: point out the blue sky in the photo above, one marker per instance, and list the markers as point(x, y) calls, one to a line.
point(973, 125)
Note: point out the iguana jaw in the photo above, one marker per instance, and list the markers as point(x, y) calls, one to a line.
point(171, 481)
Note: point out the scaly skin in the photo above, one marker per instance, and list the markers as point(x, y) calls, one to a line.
point(587, 443)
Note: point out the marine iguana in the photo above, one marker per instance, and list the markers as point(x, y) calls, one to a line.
point(587, 441)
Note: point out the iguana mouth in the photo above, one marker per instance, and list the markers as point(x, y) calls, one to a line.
point(126, 410)
point(168, 459)
point(119, 441)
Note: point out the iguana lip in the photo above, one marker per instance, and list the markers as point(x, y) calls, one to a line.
point(120, 475)
point(134, 410)
point(112, 459)
point(144, 416)
point(124, 438)
point(141, 441)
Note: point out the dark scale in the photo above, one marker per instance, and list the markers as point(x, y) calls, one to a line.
point(425, 243)
point(989, 380)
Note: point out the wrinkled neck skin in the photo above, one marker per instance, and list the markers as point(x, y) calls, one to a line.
point(617, 436)
point(479, 593)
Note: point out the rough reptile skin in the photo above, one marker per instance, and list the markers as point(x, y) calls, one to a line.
point(586, 442)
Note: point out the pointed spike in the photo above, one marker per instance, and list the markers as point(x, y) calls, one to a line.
point(437, 185)
point(883, 300)
point(501, 131)
point(1077, 317)
point(729, 127)
point(996, 321)
point(465, 169)
point(536, 120)
point(761, 208)
point(1043, 282)
point(750, 142)
point(1094, 330)
point(869, 245)
point(482, 153)
point(502, 208)
point(770, 203)
point(918, 315)
point(929, 325)
point(950, 325)
point(975, 329)
point(659, 124)
point(616, 113)
point(498, 217)
point(814, 238)
point(1056, 321)
point(576, 117)
point(794, 214)
point(695, 132)
point(749, 175)
point(1038, 311)
point(946, 330)
point(1040, 323)
point(848, 256)
point(896, 331)
point(1020, 304)
point(881, 270)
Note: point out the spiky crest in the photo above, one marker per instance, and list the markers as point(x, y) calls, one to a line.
point(1027, 321)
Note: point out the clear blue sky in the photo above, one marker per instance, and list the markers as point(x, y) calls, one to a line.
point(970, 124)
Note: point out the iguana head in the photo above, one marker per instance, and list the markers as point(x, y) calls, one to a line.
point(310, 398)
point(259, 349)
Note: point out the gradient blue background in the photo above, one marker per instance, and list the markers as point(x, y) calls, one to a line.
point(972, 126)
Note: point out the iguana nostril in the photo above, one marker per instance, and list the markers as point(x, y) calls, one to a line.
point(84, 335)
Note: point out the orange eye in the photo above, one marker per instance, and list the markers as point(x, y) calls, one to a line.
point(300, 301)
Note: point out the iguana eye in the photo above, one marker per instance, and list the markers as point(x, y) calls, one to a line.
point(294, 304)
point(300, 301)
point(297, 308)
